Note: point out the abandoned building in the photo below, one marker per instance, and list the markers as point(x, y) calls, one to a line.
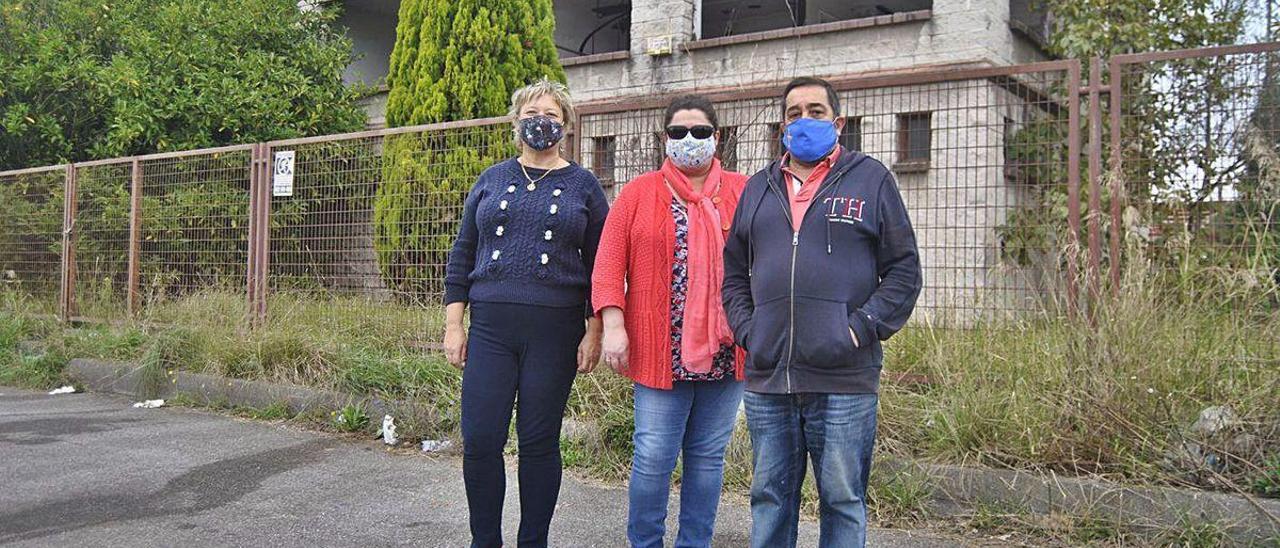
point(946, 141)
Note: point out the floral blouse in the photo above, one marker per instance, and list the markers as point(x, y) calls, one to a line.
point(722, 365)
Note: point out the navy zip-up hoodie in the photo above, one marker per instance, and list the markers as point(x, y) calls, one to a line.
point(792, 296)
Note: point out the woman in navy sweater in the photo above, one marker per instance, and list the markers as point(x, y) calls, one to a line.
point(523, 261)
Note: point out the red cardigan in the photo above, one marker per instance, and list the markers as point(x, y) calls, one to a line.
point(633, 270)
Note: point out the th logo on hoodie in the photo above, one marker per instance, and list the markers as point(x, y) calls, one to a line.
point(844, 210)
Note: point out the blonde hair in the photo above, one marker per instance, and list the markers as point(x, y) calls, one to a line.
point(544, 86)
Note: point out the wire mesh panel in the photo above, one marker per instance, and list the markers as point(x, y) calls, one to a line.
point(31, 235)
point(194, 220)
point(101, 232)
point(371, 219)
point(322, 236)
point(981, 163)
point(1199, 162)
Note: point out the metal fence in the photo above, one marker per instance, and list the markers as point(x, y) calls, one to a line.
point(989, 161)
point(1193, 150)
point(970, 149)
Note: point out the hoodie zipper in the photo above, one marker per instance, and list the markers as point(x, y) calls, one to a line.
point(795, 249)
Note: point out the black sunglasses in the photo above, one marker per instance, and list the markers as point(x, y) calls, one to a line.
point(699, 132)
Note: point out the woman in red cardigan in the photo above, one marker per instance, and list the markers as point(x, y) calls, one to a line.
point(656, 284)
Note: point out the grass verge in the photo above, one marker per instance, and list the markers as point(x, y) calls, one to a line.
point(1117, 399)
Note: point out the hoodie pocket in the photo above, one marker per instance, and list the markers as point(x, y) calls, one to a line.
point(823, 340)
point(767, 334)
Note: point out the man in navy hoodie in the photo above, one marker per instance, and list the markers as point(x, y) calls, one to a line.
point(820, 266)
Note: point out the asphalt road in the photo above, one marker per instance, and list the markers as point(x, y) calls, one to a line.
point(89, 470)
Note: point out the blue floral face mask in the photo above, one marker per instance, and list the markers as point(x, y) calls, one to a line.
point(691, 153)
point(540, 132)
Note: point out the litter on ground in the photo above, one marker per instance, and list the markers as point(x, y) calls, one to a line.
point(149, 404)
point(389, 430)
point(435, 446)
point(63, 390)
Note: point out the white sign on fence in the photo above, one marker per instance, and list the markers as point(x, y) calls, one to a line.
point(282, 174)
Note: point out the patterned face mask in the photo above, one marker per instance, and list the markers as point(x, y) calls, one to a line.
point(690, 153)
point(540, 132)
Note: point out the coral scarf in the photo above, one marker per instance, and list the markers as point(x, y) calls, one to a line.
point(706, 327)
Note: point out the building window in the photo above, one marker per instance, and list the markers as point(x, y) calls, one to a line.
point(604, 157)
point(719, 18)
point(851, 136)
point(587, 27)
point(775, 140)
point(727, 148)
point(915, 135)
point(659, 148)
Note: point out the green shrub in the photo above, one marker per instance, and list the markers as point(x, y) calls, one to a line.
point(86, 79)
point(351, 418)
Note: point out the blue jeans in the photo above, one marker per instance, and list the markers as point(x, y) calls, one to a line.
point(697, 417)
point(838, 432)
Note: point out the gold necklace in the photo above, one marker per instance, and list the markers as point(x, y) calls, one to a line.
point(533, 183)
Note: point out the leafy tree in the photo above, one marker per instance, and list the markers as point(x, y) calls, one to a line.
point(1157, 115)
point(87, 79)
point(453, 60)
point(1085, 28)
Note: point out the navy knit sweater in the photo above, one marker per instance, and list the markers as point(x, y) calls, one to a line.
point(528, 243)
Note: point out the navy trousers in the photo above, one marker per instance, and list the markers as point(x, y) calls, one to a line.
point(525, 357)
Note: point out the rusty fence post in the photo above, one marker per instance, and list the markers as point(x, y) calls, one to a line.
point(251, 294)
point(1116, 179)
point(67, 297)
point(1095, 174)
point(1073, 187)
point(135, 238)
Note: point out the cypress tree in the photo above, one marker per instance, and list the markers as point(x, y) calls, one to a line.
point(453, 60)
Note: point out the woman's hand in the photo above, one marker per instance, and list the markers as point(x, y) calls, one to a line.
point(455, 345)
point(589, 349)
point(455, 336)
point(615, 342)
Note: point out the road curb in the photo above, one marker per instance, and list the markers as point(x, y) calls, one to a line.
point(130, 380)
point(1138, 508)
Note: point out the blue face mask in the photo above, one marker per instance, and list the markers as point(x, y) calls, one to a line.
point(809, 140)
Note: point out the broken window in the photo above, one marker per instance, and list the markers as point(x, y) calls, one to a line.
point(604, 152)
point(1031, 19)
point(588, 27)
point(721, 18)
point(727, 148)
point(851, 135)
point(371, 26)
